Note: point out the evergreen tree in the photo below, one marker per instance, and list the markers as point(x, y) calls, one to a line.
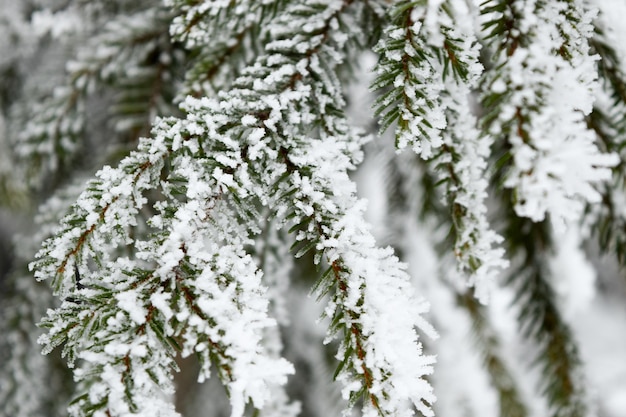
point(178, 177)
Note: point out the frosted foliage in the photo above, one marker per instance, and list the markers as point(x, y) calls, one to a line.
point(326, 188)
point(225, 35)
point(105, 211)
point(32, 387)
point(203, 14)
point(131, 379)
point(223, 305)
point(209, 286)
point(379, 350)
point(434, 57)
point(476, 245)
point(476, 248)
point(223, 309)
point(183, 246)
point(420, 131)
point(550, 88)
point(230, 308)
point(423, 48)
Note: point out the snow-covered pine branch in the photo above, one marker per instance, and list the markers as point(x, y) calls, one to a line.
point(537, 100)
point(429, 66)
point(272, 137)
point(180, 249)
point(206, 295)
point(225, 37)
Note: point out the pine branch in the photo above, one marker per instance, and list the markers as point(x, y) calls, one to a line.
point(220, 176)
point(429, 66)
point(408, 70)
point(223, 38)
point(303, 167)
point(175, 250)
point(544, 80)
point(185, 279)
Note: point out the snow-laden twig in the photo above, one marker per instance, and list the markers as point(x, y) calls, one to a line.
point(278, 136)
point(538, 100)
point(430, 64)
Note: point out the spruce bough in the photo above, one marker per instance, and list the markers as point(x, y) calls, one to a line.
point(234, 137)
